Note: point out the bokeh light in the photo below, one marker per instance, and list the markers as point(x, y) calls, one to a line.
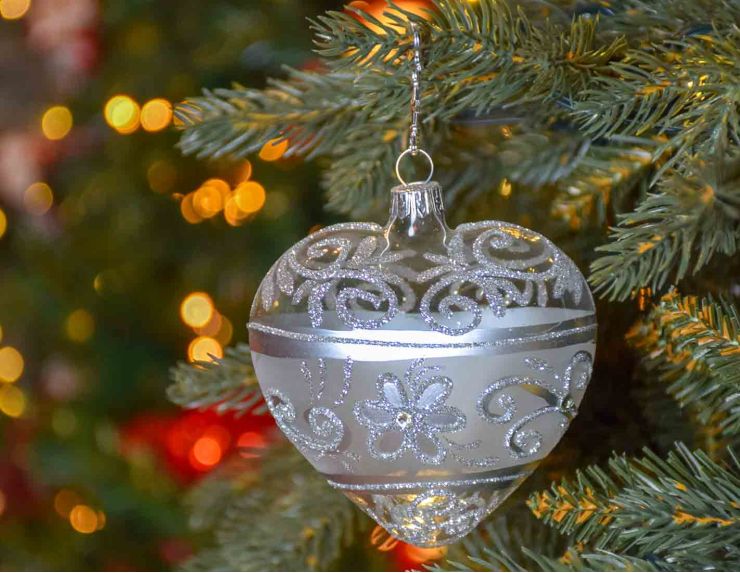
point(250, 444)
point(14, 9)
point(64, 501)
point(204, 349)
point(197, 309)
point(233, 214)
point(156, 114)
point(79, 325)
point(274, 149)
point(83, 518)
point(249, 196)
point(219, 185)
point(188, 211)
point(3, 502)
point(226, 332)
point(207, 201)
point(212, 327)
point(207, 451)
point(11, 364)
point(38, 198)
point(245, 171)
point(3, 223)
point(423, 554)
point(56, 122)
point(12, 401)
point(161, 176)
point(122, 113)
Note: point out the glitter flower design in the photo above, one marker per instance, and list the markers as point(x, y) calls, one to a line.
point(409, 415)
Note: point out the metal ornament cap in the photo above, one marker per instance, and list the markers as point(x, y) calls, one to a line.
point(425, 371)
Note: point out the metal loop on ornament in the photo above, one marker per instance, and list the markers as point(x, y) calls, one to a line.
point(414, 152)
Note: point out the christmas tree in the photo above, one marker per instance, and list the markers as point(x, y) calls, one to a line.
point(102, 245)
point(613, 129)
point(610, 127)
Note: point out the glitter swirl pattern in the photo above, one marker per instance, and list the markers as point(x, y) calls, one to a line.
point(486, 267)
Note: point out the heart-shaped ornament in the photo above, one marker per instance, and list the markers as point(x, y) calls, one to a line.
point(424, 371)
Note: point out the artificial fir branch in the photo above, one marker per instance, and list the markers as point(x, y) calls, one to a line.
point(482, 57)
point(683, 511)
point(506, 533)
point(674, 232)
point(278, 515)
point(693, 346)
point(228, 383)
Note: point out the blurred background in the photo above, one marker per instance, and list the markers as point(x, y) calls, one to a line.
point(120, 257)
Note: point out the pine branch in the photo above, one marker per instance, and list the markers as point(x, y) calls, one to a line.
point(228, 383)
point(684, 90)
point(694, 346)
point(572, 560)
point(599, 182)
point(506, 533)
point(642, 19)
point(682, 511)
point(673, 232)
point(481, 58)
point(280, 517)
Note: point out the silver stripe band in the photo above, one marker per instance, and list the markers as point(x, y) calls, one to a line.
point(504, 477)
point(272, 341)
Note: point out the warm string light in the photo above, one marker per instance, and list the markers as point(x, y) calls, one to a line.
point(12, 401)
point(56, 122)
point(124, 114)
point(14, 9)
point(38, 198)
point(213, 330)
point(11, 364)
point(80, 325)
point(82, 517)
point(215, 196)
point(209, 448)
point(3, 223)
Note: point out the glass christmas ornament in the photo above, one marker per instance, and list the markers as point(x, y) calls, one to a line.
point(424, 370)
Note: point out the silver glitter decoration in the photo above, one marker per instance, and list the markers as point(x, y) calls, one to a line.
point(486, 344)
point(435, 517)
point(557, 397)
point(487, 266)
point(325, 425)
point(414, 410)
point(425, 371)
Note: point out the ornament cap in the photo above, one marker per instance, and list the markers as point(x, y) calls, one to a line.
point(417, 213)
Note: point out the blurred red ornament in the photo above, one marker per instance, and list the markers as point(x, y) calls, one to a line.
point(413, 558)
point(382, 10)
point(66, 32)
point(194, 442)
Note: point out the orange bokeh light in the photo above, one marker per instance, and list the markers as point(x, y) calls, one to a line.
point(423, 554)
point(123, 114)
point(249, 196)
point(188, 211)
point(207, 201)
point(274, 149)
point(204, 349)
point(197, 309)
point(156, 114)
point(83, 519)
point(207, 451)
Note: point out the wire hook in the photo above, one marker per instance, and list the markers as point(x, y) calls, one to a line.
point(414, 131)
